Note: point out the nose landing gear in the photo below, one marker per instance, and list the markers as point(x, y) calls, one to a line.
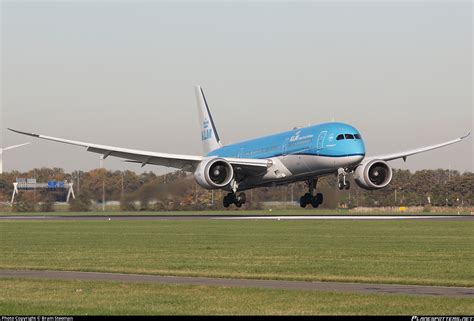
point(343, 182)
point(309, 198)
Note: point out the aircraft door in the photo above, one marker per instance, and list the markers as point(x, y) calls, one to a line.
point(285, 146)
point(321, 137)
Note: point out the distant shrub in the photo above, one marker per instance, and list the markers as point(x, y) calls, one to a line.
point(143, 207)
point(82, 203)
point(47, 205)
point(23, 203)
point(127, 205)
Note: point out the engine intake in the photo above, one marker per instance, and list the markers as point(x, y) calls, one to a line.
point(375, 174)
point(214, 173)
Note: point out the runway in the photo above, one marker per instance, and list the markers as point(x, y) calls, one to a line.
point(239, 217)
point(246, 283)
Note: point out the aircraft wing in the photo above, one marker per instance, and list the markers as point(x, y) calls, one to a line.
point(184, 162)
point(405, 154)
point(14, 146)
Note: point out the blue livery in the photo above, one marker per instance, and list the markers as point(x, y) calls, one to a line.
point(328, 139)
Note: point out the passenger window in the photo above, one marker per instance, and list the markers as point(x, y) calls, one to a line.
point(340, 137)
point(349, 136)
point(357, 136)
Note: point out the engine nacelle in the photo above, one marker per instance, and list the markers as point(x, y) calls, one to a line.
point(375, 174)
point(214, 173)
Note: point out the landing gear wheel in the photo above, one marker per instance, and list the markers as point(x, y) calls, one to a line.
point(308, 198)
point(342, 180)
point(303, 202)
point(225, 201)
point(319, 198)
point(228, 199)
point(243, 198)
point(231, 198)
point(343, 184)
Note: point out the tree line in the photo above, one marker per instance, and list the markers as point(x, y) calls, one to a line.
point(178, 191)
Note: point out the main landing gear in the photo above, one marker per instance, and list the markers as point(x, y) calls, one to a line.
point(309, 198)
point(233, 198)
point(343, 182)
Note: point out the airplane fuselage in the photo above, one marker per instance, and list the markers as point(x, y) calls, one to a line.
point(300, 153)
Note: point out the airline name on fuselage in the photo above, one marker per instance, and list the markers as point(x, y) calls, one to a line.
point(298, 137)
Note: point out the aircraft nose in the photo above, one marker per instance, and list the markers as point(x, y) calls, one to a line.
point(358, 158)
point(355, 159)
point(360, 151)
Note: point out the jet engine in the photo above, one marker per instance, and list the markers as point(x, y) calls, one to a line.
point(375, 174)
point(214, 173)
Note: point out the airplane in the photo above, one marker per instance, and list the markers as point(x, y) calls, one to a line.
point(5, 149)
point(300, 154)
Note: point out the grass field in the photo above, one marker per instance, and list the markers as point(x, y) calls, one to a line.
point(409, 252)
point(48, 297)
point(233, 211)
point(405, 252)
point(299, 211)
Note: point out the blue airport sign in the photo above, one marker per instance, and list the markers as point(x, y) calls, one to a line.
point(55, 184)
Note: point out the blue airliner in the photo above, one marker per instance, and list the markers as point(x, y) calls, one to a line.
point(300, 154)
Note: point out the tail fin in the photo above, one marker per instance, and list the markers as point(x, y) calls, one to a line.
point(209, 136)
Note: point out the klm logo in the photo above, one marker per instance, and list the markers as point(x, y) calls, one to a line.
point(206, 134)
point(297, 137)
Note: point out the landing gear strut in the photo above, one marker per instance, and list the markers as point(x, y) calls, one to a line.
point(309, 198)
point(343, 182)
point(233, 198)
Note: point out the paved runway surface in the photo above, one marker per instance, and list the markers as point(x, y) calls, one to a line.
point(246, 283)
point(241, 217)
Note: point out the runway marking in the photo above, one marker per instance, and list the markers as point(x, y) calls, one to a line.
point(246, 283)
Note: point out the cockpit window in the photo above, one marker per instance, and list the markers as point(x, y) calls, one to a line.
point(348, 136)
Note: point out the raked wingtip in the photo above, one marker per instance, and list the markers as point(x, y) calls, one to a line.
point(467, 135)
point(23, 133)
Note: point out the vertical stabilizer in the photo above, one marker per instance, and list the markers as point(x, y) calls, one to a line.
point(209, 136)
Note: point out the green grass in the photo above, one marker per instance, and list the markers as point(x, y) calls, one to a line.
point(296, 211)
point(54, 297)
point(405, 252)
